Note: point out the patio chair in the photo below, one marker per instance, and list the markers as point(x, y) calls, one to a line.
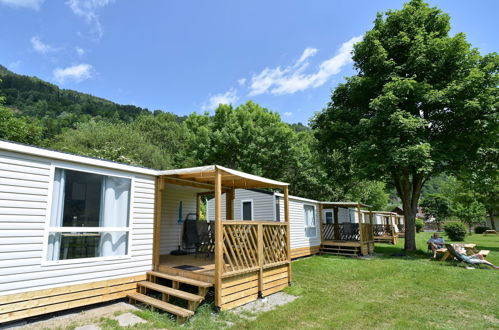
point(473, 262)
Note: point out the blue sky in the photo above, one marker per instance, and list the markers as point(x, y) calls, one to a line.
point(187, 56)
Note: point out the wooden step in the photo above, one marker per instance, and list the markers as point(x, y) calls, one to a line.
point(171, 292)
point(340, 254)
point(181, 279)
point(181, 313)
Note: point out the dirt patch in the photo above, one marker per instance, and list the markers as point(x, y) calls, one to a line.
point(264, 305)
point(72, 318)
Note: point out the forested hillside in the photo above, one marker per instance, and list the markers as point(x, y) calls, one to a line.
point(248, 137)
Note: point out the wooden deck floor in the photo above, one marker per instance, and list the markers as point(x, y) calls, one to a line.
point(203, 267)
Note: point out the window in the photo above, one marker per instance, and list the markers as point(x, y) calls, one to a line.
point(89, 216)
point(310, 228)
point(329, 217)
point(247, 210)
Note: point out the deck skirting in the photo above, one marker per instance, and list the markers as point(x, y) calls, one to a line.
point(27, 304)
point(304, 251)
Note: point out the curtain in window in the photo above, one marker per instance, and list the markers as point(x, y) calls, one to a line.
point(114, 213)
point(309, 221)
point(57, 213)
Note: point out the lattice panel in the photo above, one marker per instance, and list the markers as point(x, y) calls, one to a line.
point(328, 231)
point(379, 230)
point(240, 248)
point(275, 248)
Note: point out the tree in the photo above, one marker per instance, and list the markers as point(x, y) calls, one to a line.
point(18, 129)
point(249, 138)
point(471, 212)
point(483, 179)
point(438, 207)
point(112, 141)
point(422, 103)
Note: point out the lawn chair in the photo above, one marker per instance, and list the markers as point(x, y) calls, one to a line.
point(468, 261)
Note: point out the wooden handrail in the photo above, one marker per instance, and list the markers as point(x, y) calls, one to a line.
point(253, 222)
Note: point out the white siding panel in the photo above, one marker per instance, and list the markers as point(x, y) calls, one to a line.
point(24, 187)
point(297, 224)
point(24, 176)
point(9, 196)
point(171, 198)
point(263, 205)
point(22, 183)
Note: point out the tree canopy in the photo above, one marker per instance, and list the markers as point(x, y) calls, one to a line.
point(422, 103)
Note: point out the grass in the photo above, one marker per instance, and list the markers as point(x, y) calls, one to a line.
point(383, 292)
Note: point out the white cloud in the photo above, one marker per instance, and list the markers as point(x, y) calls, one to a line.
point(241, 81)
point(292, 79)
point(214, 101)
point(30, 4)
point(41, 47)
point(80, 51)
point(14, 65)
point(288, 114)
point(308, 52)
point(87, 9)
point(74, 73)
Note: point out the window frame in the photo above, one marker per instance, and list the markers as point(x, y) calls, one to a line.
point(48, 229)
point(242, 209)
point(325, 216)
point(305, 220)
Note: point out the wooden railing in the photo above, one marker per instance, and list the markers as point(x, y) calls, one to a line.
point(383, 230)
point(367, 232)
point(347, 232)
point(251, 245)
point(341, 232)
point(275, 249)
point(401, 228)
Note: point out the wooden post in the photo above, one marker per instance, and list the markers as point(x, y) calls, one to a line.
point(359, 212)
point(218, 238)
point(260, 256)
point(229, 204)
point(157, 222)
point(394, 234)
point(288, 231)
point(320, 218)
point(336, 236)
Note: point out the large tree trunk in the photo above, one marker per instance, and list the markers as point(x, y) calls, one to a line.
point(408, 187)
point(491, 216)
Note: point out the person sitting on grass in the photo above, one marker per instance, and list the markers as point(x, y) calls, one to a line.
point(473, 259)
point(435, 243)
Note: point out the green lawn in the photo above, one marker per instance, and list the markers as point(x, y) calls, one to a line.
point(382, 292)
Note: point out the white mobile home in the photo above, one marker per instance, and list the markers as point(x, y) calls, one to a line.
point(76, 231)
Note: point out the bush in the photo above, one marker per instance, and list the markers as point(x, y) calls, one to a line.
point(455, 230)
point(481, 229)
point(419, 225)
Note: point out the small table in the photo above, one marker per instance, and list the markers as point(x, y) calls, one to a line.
point(490, 231)
point(470, 249)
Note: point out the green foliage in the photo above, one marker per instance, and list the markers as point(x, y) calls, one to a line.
point(59, 108)
point(416, 90)
point(19, 129)
point(455, 230)
point(471, 213)
point(419, 225)
point(437, 206)
point(481, 229)
point(370, 192)
point(112, 141)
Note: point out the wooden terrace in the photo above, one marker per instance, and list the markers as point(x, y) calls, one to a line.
point(240, 260)
point(346, 238)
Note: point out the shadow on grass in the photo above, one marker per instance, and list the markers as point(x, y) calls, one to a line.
point(394, 251)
